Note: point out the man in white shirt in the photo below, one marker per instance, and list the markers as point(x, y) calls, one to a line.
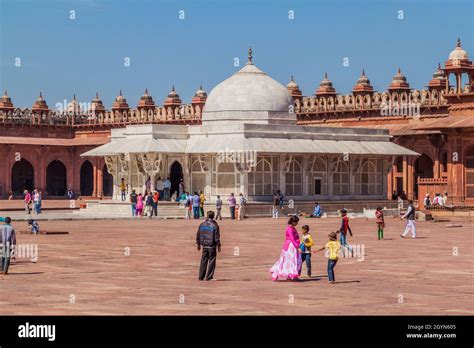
point(167, 188)
point(242, 202)
point(160, 188)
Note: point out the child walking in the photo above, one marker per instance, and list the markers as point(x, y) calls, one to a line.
point(333, 247)
point(344, 229)
point(305, 246)
point(379, 220)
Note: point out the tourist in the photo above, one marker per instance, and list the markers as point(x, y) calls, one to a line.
point(70, 193)
point(202, 199)
point(400, 205)
point(445, 198)
point(410, 216)
point(394, 196)
point(181, 187)
point(317, 211)
point(281, 198)
point(289, 263)
point(8, 243)
point(133, 201)
point(276, 205)
point(188, 205)
point(148, 185)
point(344, 229)
point(218, 207)
point(438, 200)
point(166, 189)
point(380, 221)
point(139, 207)
point(156, 198)
point(36, 201)
point(196, 201)
point(232, 203)
point(174, 196)
point(305, 246)
point(123, 189)
point(242, 203)
point(182, 199)
point(333, 247)
point(208, 238)
point(148, 205)
point(27, 201)
point(33, 226)
point(160, 188)
point(427, 201)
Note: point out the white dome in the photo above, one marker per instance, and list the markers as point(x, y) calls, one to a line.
point(458, 54)
point(249, 89)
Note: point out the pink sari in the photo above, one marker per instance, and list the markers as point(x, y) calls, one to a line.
point(289, 262)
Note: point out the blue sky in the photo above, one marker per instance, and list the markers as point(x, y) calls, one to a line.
point(60, 56)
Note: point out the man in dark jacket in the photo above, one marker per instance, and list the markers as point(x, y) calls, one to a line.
point(7, 244)
point(208, 238)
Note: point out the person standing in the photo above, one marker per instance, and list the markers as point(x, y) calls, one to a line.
point(156, 198)
point(133, 201)
point(188, 205)
point(282, 199)
point(149, 205)
point(123, 189)
point(70, 193)
point(289, 263)
point(400, 205)
point(305, 246)
point(37, 201)
point(208, 239)
point(139, 207)
point(344, 229)
point(160, 188)
point(276, 204)
point(202, 199)
point(181, 187)
point(445, 198)
point(196, 201)
point(7, 243)
point(380, 221)
point(242, 203)
point(167, 189)
point(333, 248)
point(27, 201)
point(218, 208)
point(410, 216)
point(232, 203)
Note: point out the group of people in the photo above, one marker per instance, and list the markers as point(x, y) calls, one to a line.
point(438, 200)
point(34, 198)
point(144, 205)
point(163, 187)
point(194, 205)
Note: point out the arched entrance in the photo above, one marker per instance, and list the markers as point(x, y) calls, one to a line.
point(469, 172)
point(107, 182)
point(56, 179)
point(87, 179)
point(423, 169)
point(176, 174)
point(23, 177)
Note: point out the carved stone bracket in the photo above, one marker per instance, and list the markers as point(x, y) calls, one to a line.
point(111, 163)
point(149, 163)
point(203, 163)
point(287, 164)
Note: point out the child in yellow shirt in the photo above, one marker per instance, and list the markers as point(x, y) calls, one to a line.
point(305, 249)
point(333, 247)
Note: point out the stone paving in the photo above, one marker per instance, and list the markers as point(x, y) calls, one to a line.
point(87, 271)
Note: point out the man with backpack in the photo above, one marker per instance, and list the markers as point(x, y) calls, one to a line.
point(208, 238)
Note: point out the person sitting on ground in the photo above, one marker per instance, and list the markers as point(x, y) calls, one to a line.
point(33, 226)
point(427, 201)
point(317, 211)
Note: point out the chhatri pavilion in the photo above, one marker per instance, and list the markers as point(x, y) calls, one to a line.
point(249, 142)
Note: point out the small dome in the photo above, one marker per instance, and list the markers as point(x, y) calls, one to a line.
point(325, 87)
point(363, 80)
point(97, 105)
point(292, 83)
point(458, 53)
point(439, 73)
point(5, 101)
point(73, 105)
point(146, 100)
point(40, 104)
point(120, 102)
point(200, 93)
point(172, 98)
point(399, 81)
point(293, 88)
point(363, 84)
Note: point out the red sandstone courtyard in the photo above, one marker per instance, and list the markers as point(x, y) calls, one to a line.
point(87, 272)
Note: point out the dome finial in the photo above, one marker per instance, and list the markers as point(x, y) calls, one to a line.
point(325, 75)
point(74, 96)
point(292, 79)
point(96, 95)
point(439, 66)
point(459, 42)
point(120, 92)
point(363, 72)
point(399, 71)
point(172, 89)
point(5, 93)
point(146, 91)
point(250, 55)
point(200, 86)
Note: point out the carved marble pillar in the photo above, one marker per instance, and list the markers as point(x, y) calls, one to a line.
point(112, 167)
point(150, 164)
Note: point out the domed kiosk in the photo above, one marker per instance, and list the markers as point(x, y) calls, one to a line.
point(249, 142)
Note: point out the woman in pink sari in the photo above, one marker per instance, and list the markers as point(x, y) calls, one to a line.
point(290, 259)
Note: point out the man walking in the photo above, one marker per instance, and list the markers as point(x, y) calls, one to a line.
point(133, 201)
point(242, 202)
point(208, 238)
point(276, 205)
point(218, 208)
point(410, 216)
point(27, 201)
point(232, 203)
point(7, 243)
point(196, 201)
